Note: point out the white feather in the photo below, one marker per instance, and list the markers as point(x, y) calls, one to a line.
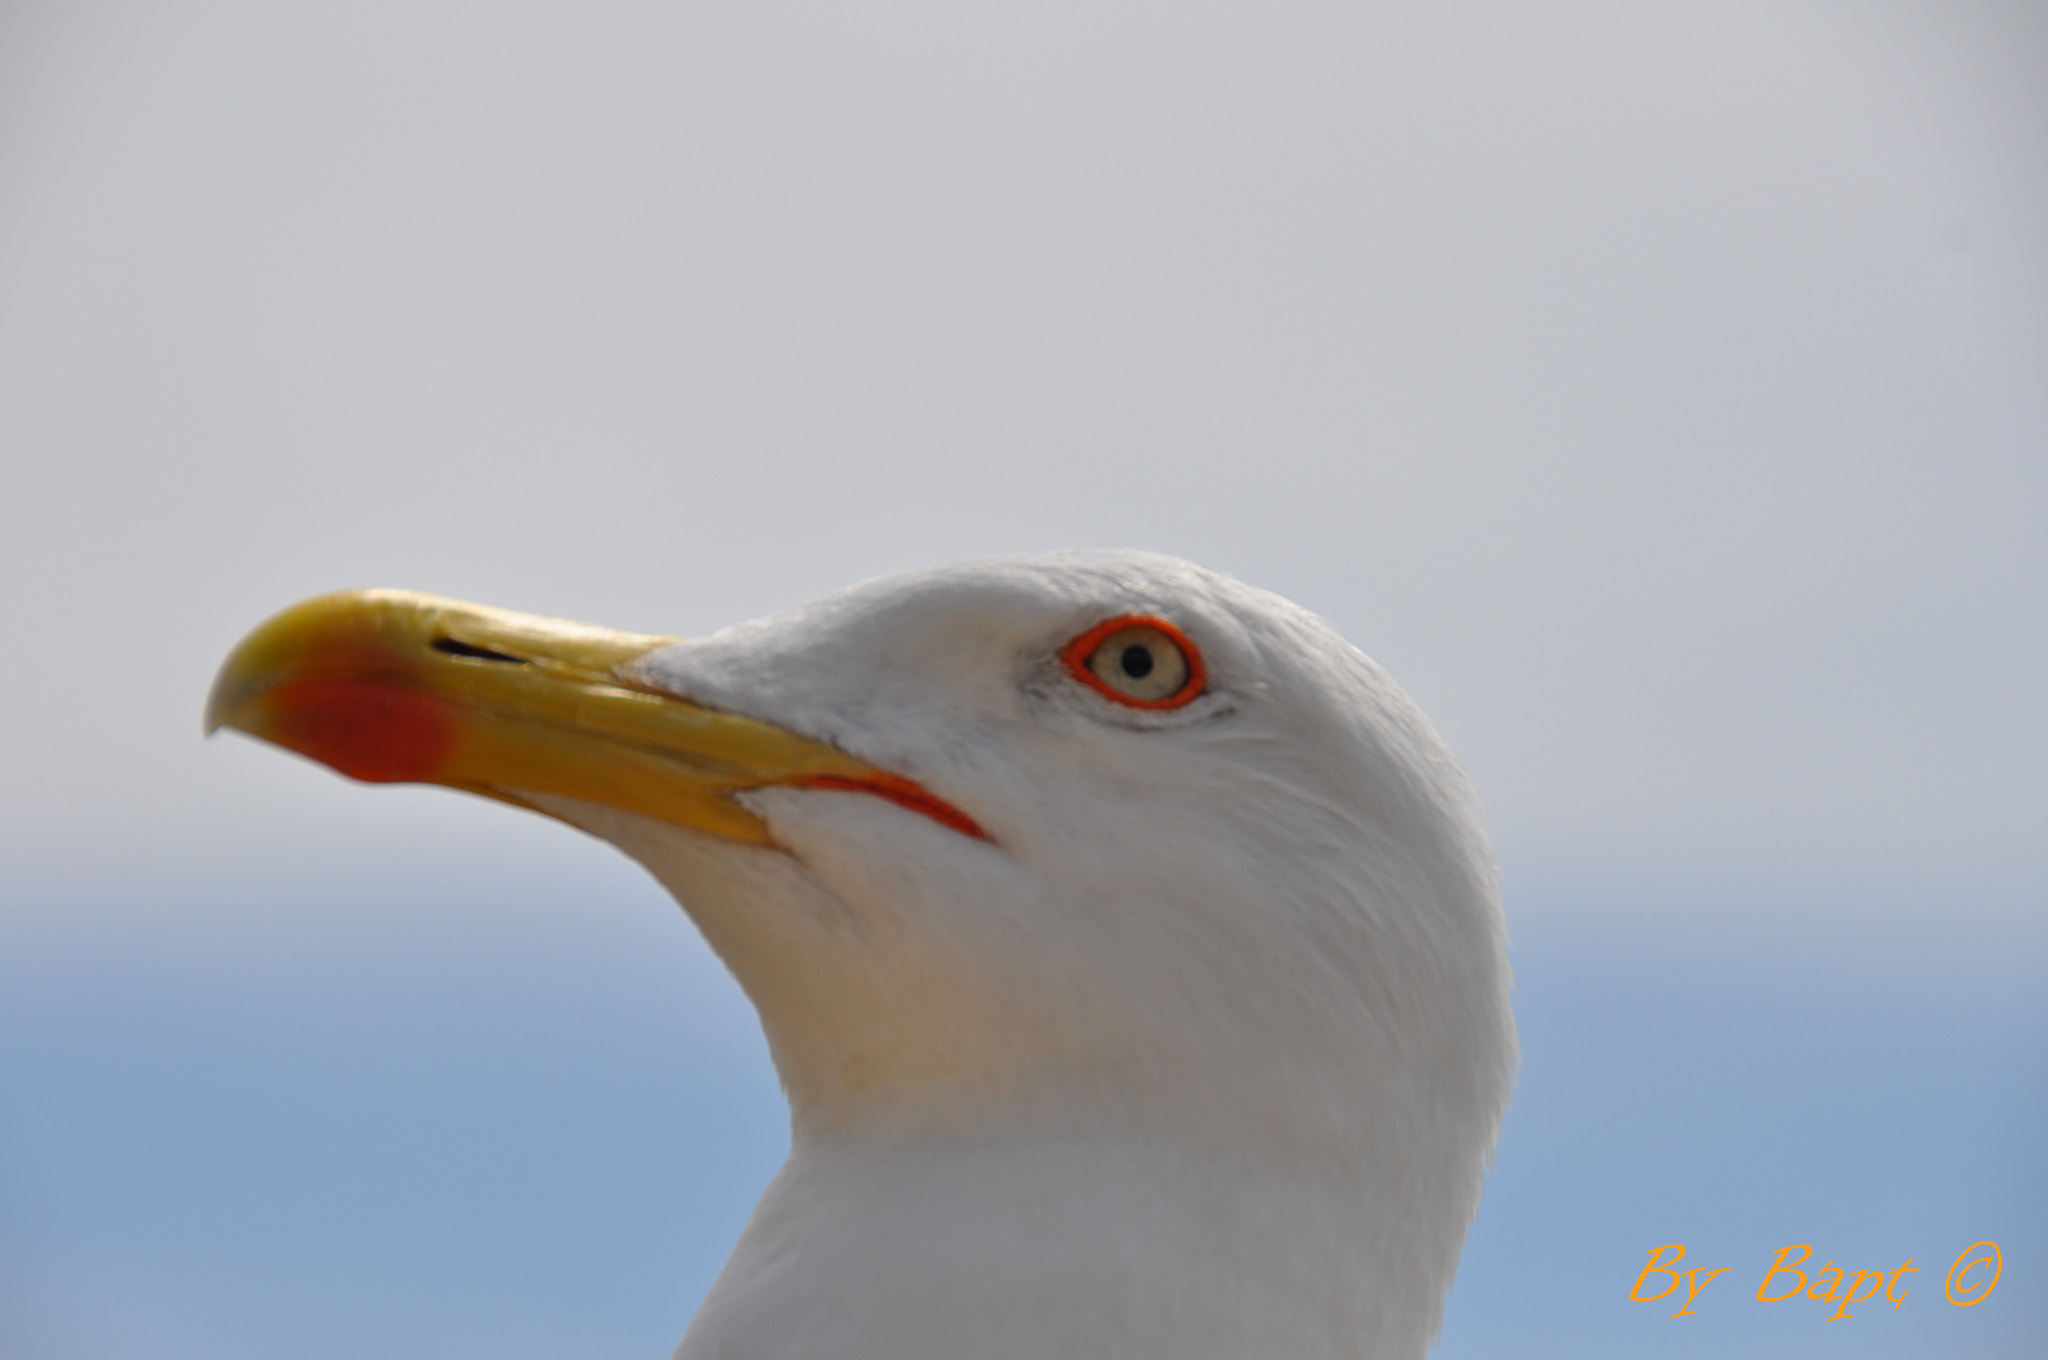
point(1202, 1056)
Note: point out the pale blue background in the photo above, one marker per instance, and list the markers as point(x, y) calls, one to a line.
point(525, 1118)
point(1660, 392)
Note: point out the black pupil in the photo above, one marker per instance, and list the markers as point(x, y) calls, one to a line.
point(1137, 661)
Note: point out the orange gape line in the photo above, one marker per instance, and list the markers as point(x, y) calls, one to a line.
point(904, 793)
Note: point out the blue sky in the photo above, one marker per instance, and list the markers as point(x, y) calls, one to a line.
point(1659, 396)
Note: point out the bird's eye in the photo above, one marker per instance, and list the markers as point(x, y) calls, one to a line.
point(1143, 662)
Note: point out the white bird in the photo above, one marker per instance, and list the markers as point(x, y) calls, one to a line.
point(1127, 943)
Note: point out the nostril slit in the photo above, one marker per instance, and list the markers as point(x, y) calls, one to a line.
point(450, 647)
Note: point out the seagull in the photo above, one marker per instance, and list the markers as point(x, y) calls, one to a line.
point(1127, 943)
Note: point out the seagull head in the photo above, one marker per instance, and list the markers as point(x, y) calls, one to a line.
point(1087, 849)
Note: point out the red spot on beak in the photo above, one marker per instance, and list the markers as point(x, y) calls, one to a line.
point(368, 728)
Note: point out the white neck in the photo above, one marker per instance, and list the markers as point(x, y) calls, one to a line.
point(1062, 1247)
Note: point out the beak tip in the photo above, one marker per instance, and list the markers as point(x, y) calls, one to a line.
point(226, 699)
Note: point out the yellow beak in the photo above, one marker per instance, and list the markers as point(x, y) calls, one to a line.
point(391, 686)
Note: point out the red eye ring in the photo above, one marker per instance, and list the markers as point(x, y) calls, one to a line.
point(1076, 655)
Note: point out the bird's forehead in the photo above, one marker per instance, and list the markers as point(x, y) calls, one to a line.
point(938, 628)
